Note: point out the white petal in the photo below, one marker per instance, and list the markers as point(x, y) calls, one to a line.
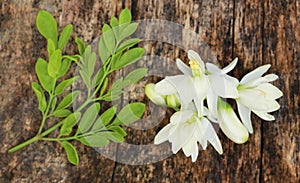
point(184, 86)
point(183, 67)
point(272, 92)
point(264, 115)
point(199, 133)
point(181, 116)
point(181, 135)
point(213, 69)
point(188, 148)
point(192, 55)
point(245, 113)
point(273, 105)
point(223, 87)
point(255, 74)
point(164, 87)
point(231, 125)
point(254, 99)
point(271, 77)
point(229, 67)
point(212, 100)
point(163, 134)
point(195, 153)
point(211, 135)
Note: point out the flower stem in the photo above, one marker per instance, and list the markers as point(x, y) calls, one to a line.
point(27, 142)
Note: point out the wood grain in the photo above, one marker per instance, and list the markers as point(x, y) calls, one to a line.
point(257, 32)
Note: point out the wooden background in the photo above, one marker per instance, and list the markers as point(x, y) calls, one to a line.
point(258, 32)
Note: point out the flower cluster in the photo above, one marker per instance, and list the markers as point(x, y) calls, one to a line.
point(198, 95)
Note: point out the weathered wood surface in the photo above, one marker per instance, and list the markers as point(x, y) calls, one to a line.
point(258, 32)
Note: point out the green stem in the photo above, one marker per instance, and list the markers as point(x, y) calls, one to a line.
point(45, 115)
point(27, 142)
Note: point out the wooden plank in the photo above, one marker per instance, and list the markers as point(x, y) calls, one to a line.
point(20, 47)
point(213, 20)
point(281, 138)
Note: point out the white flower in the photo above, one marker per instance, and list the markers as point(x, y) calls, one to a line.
point(221, 84)
point(191, 86)
point(230, 123)
point(186, 130)
point(256, 94)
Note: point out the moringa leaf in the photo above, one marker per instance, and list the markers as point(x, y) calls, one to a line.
point(128, 30)
point(41, 69)
point(55, 63)
point(109, 38)
point(80, 45)
point(125, 16)
point(47, 26)
point(67, 100)
point(95, 140)
point(40, 95)
point(71, 152)
point(129, 57)
point(68, 123)
point(65, 36)
point(61, 113)
point(103, 51)
point(128, 44)
point(105, 118)
point(135, 75)
point(64, 84)
point(50, 47)
point(89, 117)
point(65, 66)
point(130, 113)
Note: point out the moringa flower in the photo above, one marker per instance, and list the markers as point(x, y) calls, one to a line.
point(186, 130)
point(230, 123)
point(255, 87)
point(221, 84)
point(191, 86)
point(155, 97)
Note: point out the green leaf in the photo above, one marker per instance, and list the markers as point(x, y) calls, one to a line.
point(55, 63)
point(113, 136)
point(68, 123)
point(114, 59)
point(47, 26)
point(103, 51)
point(65, 66)
point(128, 44)
point(85, 78)
point(61, 113)
point(40, 95)
point(125, 16)
point(50, 47)
point(135, 76)
point(129, 57)
point(128, 30)
point(130, 113)
point(109, 38)
point(114, 22)
point(68, 100)
point(89, 117)
point(91, 64)
point(64, 84)
point(94, 140)
point(41, 69)
point(71, 152)
point(118, 130)
point(81, 45)
point(65, 36)
point(105, 118)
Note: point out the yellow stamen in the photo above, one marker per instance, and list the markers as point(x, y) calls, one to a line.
point(195, 67)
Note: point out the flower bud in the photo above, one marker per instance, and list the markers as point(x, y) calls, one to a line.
point(155, 97)
point(173, 101)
